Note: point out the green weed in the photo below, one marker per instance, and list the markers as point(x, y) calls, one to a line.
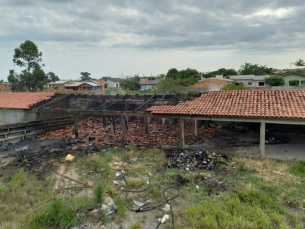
point(136, 225)
point(98, 191)
point(298, 169)
point(121, 206)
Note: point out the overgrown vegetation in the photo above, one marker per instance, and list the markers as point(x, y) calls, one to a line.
point(245, 193)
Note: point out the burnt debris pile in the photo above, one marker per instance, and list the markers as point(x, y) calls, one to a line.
point(202, 159)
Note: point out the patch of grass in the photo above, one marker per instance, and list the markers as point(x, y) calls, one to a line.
point(121, 206)
point(135, 183)
point(99, 193)
point(235, 210)
point(136, 225)
point(298, 170)
point(242, 166)
point(2, 189)
point(17, 179)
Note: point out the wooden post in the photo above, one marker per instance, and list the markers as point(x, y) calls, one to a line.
point(123, 129)
point(262, 139)
point(104, 121)
point(76, 127)
point(146, 125)
point(182, 143)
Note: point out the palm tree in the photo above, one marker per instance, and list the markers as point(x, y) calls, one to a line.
point(299, 63)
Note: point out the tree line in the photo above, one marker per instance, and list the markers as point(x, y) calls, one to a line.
point(33, 78)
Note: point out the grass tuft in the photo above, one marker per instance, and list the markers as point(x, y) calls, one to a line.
point(136, 225)
point(298, 169)
point(99, 193)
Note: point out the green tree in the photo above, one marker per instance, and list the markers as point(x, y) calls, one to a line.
point(131, 84)
point(299, 63)
point(52, 77)
point(234, 87)
point(254, 69)
point(231, 72)
point(274, 81)
point(85, 76)
point(32, 77)
point(294, 83)
point(168, 85)
point(172, 73)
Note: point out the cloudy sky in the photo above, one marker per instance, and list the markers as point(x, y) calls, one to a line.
point(107, 37)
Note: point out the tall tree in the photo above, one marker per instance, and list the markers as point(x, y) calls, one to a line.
point(52, 77)
point(32, 77)
point(299, 63)
point(255, 69)
point(85, 76)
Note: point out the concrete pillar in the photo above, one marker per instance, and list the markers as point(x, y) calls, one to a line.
point(163, 120)
point(196, 127)
point(123, 129)
point(262, 139)
point(182, 143)
point(104, 121)
point(198, 123)
point(148, 119)
point(76, 127)
point(146, 125)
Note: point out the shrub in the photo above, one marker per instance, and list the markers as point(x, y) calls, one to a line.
point(294, 83)
point(275, 81)
point(98, 194)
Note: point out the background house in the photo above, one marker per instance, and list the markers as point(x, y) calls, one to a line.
point(59, 84)
point(5, 87)
point(148, 85)
point(113, 82)
point(250, 80)
point(289, 76)
point(210, 84)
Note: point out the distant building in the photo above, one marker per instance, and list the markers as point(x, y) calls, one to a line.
point(211, 84)
point(5, 87)
point(148, 85)
point(86, 85)
point(59, 84)
point(289, 76)
point(113, 82)
point(250, 80)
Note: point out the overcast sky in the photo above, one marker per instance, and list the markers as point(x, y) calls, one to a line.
point(150, 36)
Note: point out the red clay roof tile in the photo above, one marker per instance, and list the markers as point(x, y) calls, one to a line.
point(22, 100)
point(269, 103)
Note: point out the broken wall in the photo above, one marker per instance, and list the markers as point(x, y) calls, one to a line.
point(12, 116)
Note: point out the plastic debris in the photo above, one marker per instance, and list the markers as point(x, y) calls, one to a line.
point(140, 204)
point(69, 157)
point(164, 218)
point(279, 172)
point(166, 208)
point(197, 186)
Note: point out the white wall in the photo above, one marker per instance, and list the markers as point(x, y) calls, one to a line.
point(113, 84)
point(254, 82)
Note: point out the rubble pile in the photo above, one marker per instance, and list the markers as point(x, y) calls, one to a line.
point(192, 160)
point(92, 131)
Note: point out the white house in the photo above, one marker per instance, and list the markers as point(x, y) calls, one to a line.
point(113, 82)
point(250, 80)
point(148, 85)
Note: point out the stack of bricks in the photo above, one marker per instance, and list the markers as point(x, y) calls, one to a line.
point(159, 134)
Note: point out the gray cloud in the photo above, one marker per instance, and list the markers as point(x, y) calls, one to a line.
point(245, 26)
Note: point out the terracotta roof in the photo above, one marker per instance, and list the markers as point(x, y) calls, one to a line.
point(275, 103)
point(22, 100)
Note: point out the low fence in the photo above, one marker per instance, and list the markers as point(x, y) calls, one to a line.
point(20, 131)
